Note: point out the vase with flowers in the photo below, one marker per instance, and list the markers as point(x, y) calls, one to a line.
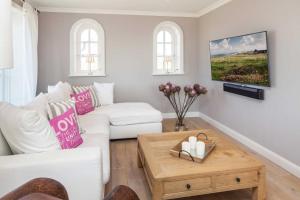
point(181, 104)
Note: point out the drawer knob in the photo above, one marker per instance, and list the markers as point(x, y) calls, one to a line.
point(238, 180)
point(188, 186)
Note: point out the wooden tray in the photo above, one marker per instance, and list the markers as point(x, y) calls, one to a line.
point(179, 153)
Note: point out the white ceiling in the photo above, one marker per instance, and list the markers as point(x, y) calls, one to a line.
point(188, 8)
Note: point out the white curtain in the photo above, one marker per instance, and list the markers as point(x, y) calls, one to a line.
point(31, 43)
point(19, 83)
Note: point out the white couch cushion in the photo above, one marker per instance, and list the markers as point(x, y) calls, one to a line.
point(94, 123)
point(121, 114)
point(39, 104)
point(50, 88)
point(133, 130)
point(4, 147)
point(60, 92)
point(26, 131)
point(102, 141)
point(96, 127)
point(105, 93)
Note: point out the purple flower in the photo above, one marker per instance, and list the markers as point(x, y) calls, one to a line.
point(169, 84)
point(178, 88)
point(167, 92)
point(186, 89)
point(203, 90)
point(161, 87)
point(173, 89)
point(196, 86)
point(198, 89)
point(192, 93)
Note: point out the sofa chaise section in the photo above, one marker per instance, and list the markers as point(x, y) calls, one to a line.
point(127, 120)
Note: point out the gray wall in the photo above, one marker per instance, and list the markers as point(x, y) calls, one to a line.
point(128, 55)
point(274, 122)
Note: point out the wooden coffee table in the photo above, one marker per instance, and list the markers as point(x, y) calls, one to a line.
point(227, 168)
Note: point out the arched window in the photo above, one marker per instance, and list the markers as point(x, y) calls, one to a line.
point(167, 49)
point(87, 49)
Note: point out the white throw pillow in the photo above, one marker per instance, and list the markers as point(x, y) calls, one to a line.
point(39, 104)
point(67, 88)
point(50, 88)
point(60, 92)
point(26, 131)
point(105, 93)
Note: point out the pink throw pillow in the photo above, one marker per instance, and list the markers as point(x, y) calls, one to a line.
point(84, 102)
point(67, 129)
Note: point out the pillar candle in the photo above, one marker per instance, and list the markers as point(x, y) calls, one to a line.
point(193, 141)
point(200, 149)
point(186, 147)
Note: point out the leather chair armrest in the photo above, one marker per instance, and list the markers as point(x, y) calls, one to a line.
point(122, 192)
point(37, 187)
point(39, 196)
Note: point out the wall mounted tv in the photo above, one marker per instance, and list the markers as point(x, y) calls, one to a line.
point(241, 59)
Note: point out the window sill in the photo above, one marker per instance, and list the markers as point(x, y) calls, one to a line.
point(86, 75)
point(168, 74)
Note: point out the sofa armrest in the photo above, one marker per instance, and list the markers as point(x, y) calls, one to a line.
point(45, 186)
point(79, 170)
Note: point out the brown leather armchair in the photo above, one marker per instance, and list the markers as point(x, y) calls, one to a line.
point(49, 189)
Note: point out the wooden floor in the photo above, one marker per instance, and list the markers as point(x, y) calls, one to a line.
point(281, 185)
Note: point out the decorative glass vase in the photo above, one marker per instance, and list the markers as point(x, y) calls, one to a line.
point(180, 126)
point(181, 104)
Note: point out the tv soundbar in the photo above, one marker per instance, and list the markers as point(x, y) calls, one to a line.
point(254, 93)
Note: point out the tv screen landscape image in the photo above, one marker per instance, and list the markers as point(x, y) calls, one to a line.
point(241, 59)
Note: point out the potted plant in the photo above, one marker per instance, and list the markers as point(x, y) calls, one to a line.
point(191, 93)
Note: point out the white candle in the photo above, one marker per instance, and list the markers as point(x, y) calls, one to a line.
point(193, 141)
point(185, 146)
point(200, 149)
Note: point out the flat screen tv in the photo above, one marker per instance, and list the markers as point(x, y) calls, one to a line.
point(241, 59)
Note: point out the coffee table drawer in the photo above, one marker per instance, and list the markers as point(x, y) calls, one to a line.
point(187, 185)
point(237, 179)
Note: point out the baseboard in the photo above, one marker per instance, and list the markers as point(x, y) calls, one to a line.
point(274, 157)
point(173, 115)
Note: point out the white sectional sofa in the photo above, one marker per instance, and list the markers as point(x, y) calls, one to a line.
point(85, 170)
